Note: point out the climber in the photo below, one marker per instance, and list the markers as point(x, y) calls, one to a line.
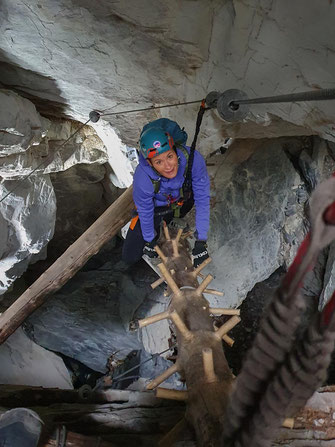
point(160, 194)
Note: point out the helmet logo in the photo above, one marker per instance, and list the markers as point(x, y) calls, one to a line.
point(156, 144)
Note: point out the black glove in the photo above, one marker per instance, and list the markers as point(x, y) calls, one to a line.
point(199, 253)
point(149, 250)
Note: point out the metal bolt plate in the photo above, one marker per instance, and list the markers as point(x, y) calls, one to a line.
point(227, 111)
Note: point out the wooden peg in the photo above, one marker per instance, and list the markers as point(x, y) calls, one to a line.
point(186, 235)
point(157, 283)
point(180, 325)
point(204, 284)
point(201, 266)
point(226, 327)
point(166, 231)
point(162, 377)
point(175, 248)
point(153, 319)
point(180, 232)
point(208, 363)
point(228, 340)
point(166, 393)
point(170, 281)
point(161, 254)
point(223, 311)
point(160, 280)
point(288, 423)
point(213, 292)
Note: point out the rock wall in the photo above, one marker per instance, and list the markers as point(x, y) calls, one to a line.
point(72, 58)
point(31, 148)
point(26, 225)
point(23, 362)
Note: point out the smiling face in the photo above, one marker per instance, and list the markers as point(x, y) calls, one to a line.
point(166, 164)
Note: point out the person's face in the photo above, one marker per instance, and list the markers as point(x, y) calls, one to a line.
point(166, 164)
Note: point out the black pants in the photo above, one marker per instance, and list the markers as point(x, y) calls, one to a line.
point(133, 245)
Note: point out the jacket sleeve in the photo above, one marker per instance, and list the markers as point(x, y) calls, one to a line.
point(143, 195)
point(201, 191)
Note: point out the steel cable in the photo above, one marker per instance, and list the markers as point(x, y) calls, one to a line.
point(322, 95)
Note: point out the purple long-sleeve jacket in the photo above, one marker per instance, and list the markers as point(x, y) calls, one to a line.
point(146, 200)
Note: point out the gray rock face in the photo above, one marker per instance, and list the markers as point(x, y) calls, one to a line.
point(83, 320)
point(27, 224)
point(31, 147)
point(73, 58)
point(23, 362)
point(52, 155)
point(247, 220)
point(318, 164)
point(20, 124)
point(88, 319)
point(80, 202)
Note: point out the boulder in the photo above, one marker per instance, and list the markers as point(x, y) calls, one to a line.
point(250, 210)
point(23, 362)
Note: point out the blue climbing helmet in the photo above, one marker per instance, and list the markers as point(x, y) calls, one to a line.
point(155, 141)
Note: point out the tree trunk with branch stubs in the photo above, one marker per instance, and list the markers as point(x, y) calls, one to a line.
point(201, 361)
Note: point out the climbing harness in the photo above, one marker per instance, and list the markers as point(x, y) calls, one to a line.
point(185, 193)
point(187, 186)
point(173, 204)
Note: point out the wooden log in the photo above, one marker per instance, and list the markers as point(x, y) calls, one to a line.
point(157, 283)
point(228, 340)
point(213, 292)
point(226, 327)
point(175, 248)
point(204, 284)
point(161, 254)
point(204, 409)
point(110, 419)
point(223, 311)
point(202, 266)
point(162, 377)
point(288, 423)
point(12, 396)
point(208, 363)
point(169, 280)
point(180, 232)
point(166, 393)
point(166, 231)
point(87, 245)
point(153, 319)
point(72, 439)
